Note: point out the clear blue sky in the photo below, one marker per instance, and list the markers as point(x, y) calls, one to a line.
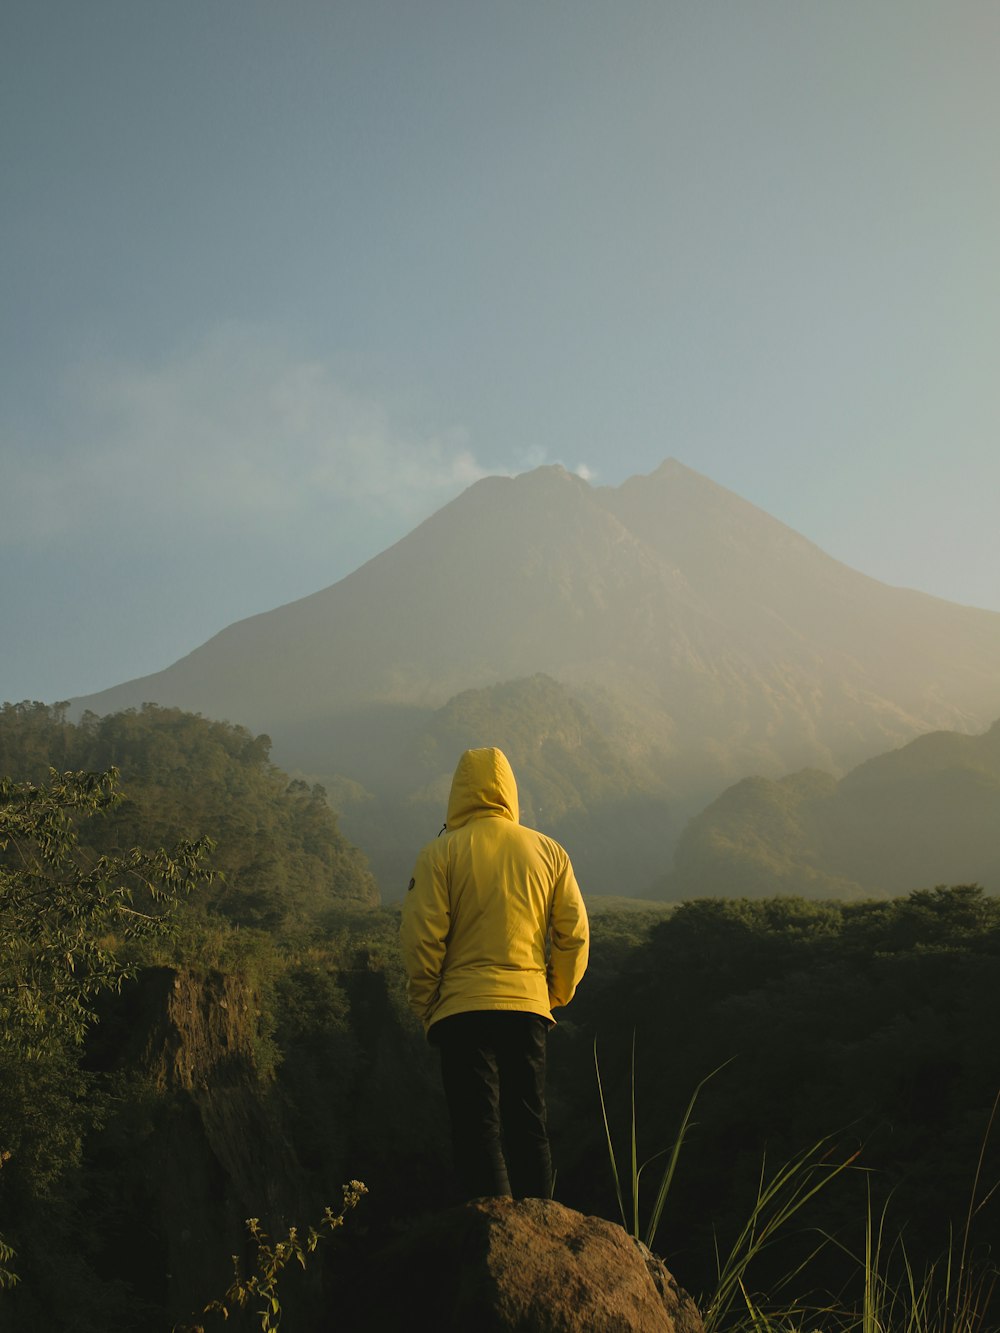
point(278, 280)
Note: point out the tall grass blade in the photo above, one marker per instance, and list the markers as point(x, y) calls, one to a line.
point(964, 1297)
point(611, 1147)
point(635, 1152)
point(668, 1174)
point(635, 1169)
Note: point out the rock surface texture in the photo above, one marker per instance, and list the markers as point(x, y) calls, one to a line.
point(531, 1266)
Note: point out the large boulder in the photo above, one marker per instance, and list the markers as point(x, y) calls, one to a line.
point(530, 1266)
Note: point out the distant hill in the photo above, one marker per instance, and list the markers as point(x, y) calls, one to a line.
point(284, 861)
point(612, 810)
point(922, 815)
point(702, 639)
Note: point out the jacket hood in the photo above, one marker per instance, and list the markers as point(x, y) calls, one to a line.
point(483, 785)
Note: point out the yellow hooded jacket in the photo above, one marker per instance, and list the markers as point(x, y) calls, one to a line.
point(494, 918)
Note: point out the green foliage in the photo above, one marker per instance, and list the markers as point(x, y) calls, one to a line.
point(271, 1260)
point(66, 914)
point(97, 1079)
point(64, 911)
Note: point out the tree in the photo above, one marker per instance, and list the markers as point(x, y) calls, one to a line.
point(65, 911)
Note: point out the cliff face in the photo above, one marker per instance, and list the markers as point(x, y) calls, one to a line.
point(201, 1147)
point(206, 1051)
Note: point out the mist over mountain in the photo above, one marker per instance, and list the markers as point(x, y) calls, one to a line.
point(699, 639)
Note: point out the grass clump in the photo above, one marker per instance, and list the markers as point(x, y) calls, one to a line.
point(954, 1294)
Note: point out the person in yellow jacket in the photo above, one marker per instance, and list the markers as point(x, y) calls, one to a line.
point(494, 936)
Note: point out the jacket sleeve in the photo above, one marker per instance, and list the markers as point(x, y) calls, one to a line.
point(569, 933)
point(423, 932)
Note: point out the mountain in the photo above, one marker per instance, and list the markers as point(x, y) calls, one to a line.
point(703, 639)
point(923, 815)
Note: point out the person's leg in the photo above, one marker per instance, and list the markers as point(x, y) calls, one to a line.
point(472, 1090)
point(521, 1060)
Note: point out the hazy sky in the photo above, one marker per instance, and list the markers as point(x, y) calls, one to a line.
point(279, 279)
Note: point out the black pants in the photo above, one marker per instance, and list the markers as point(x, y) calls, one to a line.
point(493, 1070)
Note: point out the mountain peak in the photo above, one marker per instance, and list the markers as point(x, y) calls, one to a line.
point(673, 467)
point(673, 471)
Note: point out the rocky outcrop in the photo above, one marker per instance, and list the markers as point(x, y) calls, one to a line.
point(203, 1148)
point(530, 1266)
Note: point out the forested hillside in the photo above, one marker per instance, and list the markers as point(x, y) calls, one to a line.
point(916, 816)
point(282, 857)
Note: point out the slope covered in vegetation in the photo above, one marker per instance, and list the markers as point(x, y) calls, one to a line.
point(916, 816)
point(282, 857)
